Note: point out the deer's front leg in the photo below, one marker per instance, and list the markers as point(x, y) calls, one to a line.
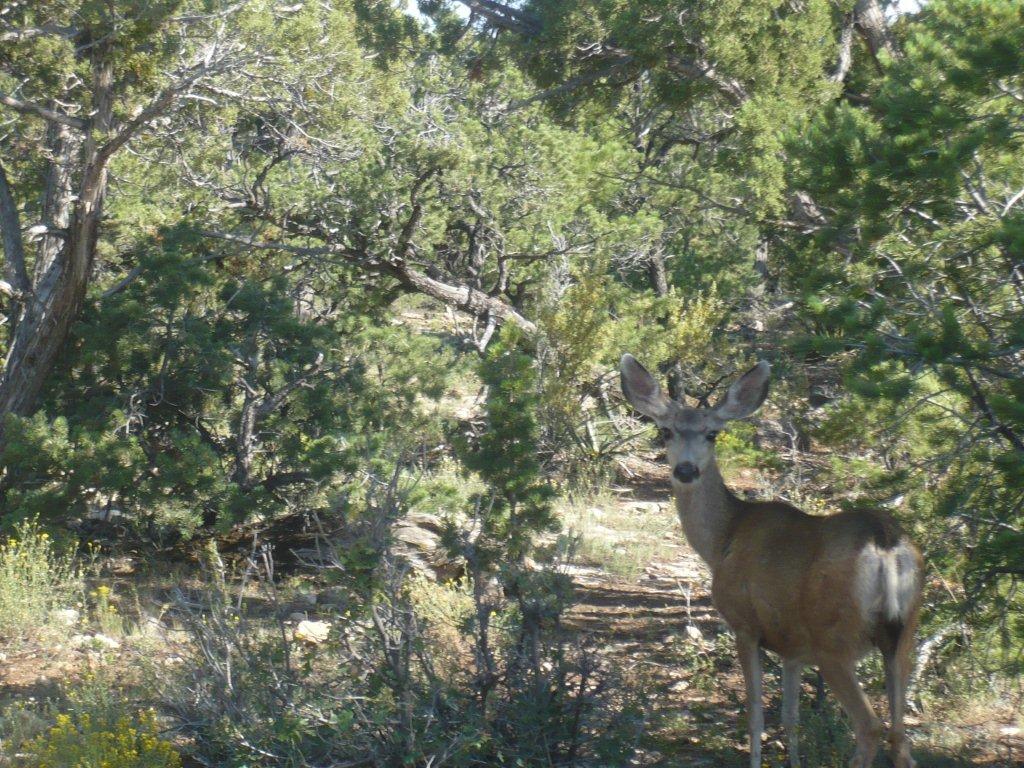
point(750, 660)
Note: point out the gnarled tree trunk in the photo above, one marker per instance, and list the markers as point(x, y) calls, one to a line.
point(64, 256)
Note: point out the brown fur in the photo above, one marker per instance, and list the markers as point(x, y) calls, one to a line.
point(784, 579)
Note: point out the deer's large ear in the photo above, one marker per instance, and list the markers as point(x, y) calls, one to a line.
point(641, 389)
point(746, 393)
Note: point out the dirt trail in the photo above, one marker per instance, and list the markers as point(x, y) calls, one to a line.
point(662, 633)
point(655, 633)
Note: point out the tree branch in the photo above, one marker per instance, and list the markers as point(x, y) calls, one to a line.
point(461, 296)
point(272, 402)
point(570, 85)
point(269, 245)
point(845, 58)
point(29, 33)
point(873, 27)
point(155, 108)
point(162, 102)
point(977, 396)
point(458, 296)
point(51, 115)
point(504, 16)
point(699, 69)
point(281, 479)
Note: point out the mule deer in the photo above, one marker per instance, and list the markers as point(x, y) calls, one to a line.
point(815, 590)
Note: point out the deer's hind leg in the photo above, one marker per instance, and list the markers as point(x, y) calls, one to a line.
point(841, 678)
point(897, 653)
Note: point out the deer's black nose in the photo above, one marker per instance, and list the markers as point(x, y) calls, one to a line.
point(686, 472)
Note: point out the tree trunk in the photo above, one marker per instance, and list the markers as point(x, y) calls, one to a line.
point(659, 282)
point(63, 261)
point(869, 18)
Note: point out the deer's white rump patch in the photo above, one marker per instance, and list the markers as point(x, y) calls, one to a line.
point(885, 582)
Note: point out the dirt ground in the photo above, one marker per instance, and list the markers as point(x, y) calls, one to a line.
point(661, 634)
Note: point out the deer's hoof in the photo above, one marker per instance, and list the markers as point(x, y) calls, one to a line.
point(899, 750)
point(863, 759)
point(902, 758)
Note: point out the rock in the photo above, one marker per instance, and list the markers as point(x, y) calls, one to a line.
point(151, 626)
point(644, 507)
point(418, 538)
point(66, 617)
point(97, 641)
point(1010, 730)
point(694, 634)
point(312, 632)
point(424, 520)
point(104, 641)
point(122, 566)
point(418, 541)
point(298, 617)
point(335, 596)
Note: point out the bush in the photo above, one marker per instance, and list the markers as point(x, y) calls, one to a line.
point(37, 578)
point(81, 741)
point(249, 693)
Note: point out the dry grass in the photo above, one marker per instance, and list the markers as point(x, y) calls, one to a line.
point(621, 538)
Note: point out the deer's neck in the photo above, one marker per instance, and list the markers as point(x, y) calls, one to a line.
point(707, 509)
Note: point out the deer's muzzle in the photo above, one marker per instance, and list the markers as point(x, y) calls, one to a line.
point(686, 472)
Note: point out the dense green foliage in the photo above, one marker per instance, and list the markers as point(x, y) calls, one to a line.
point(915, 283)
point(345, 221)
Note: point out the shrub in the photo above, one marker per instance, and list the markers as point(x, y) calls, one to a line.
point(249, 694)
point(21, 722)
point(37, 578)
point(81, 741)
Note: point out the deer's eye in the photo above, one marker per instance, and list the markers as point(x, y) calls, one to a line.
point(665, 434)
point(712, 435)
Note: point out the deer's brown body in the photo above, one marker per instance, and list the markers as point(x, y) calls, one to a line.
point(791, 580)
point(820, 590)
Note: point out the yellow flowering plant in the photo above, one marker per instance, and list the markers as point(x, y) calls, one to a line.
point(37, 579)
point(80, 741)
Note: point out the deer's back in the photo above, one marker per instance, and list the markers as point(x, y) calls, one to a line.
point(802, 585)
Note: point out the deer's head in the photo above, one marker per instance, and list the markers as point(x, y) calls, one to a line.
point(689, 433)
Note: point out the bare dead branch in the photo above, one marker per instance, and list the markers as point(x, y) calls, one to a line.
point(50, 115)
point(845, 58)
